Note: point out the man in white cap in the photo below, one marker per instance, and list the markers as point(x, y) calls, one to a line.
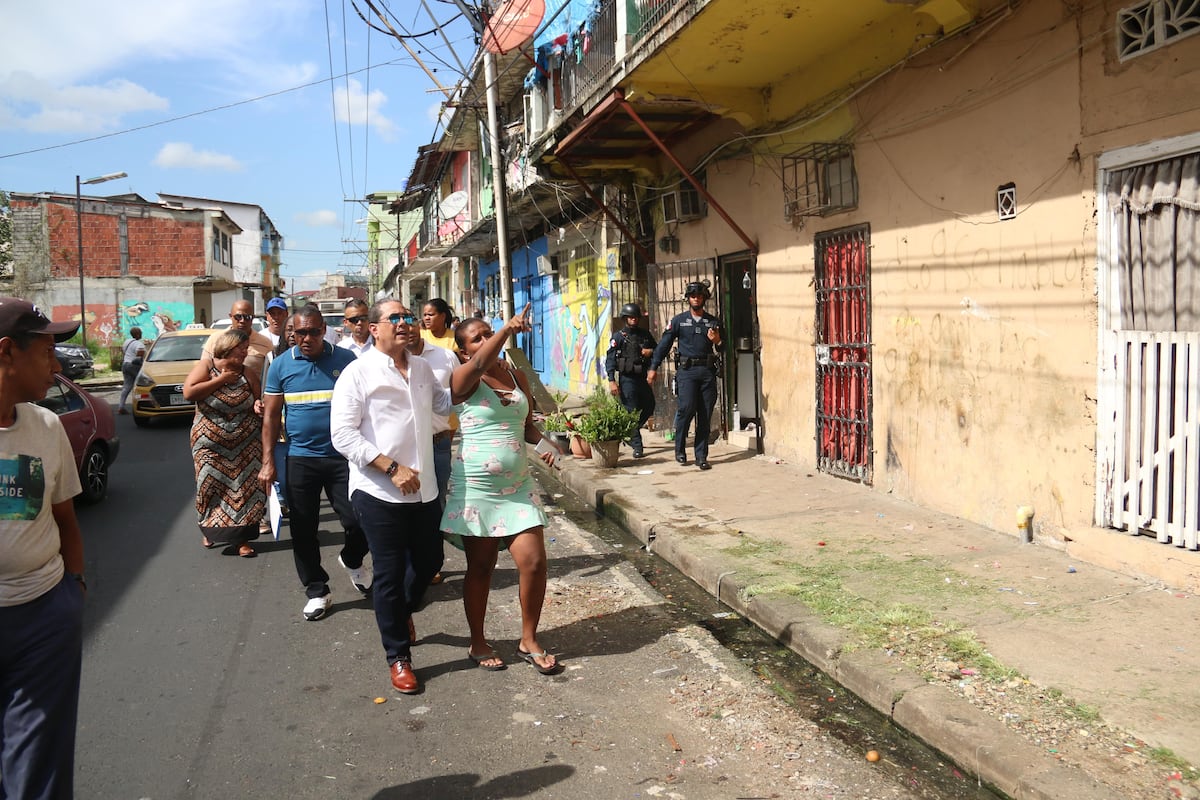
point(41, 564)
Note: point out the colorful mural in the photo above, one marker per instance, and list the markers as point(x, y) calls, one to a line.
point(109, 327)
point(155, 318)
point(579, 317)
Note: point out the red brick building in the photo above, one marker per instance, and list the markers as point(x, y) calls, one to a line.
point(148, 264)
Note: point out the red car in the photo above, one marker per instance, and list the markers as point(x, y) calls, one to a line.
point(92, 431)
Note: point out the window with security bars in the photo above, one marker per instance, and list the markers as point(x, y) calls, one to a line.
point(1153, 24)
point(819, 180)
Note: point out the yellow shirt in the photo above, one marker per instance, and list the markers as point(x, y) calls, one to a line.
point(446, 341)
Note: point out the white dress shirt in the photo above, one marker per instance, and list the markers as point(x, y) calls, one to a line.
point(355, 347)
point(443, 362)
point(376, 411)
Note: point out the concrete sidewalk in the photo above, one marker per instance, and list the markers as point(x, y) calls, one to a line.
point(1044, 676)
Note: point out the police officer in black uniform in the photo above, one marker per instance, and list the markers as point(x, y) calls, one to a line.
point(629, 353)
point(696, 361)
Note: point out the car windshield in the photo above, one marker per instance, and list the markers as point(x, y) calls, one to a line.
point(177, 348)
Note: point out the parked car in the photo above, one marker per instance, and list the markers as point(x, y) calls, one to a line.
point(93, 433)
point(259, 324)
point(75, 360)
point(158, 390)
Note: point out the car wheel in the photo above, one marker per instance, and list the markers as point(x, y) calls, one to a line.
point(93, 474)
point(141, 422)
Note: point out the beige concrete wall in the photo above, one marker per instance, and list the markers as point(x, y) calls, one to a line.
point(985, 332)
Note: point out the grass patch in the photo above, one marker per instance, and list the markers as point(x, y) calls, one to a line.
point(749, 548)
point(965, 648)
point(1166, 757)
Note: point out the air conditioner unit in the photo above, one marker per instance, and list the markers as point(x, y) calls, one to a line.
point(682, 205)
point(547, 265)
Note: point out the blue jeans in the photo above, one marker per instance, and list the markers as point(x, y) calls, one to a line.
point(41, 651)
point(406, 550)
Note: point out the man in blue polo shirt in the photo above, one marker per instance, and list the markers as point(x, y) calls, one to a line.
point(299, 388)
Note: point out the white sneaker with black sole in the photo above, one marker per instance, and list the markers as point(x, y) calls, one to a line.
point(361, 577)
point(316, 607)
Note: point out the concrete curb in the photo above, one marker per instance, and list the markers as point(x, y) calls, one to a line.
point(967, 736)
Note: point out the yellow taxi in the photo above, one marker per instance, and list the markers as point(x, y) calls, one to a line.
point(158, 391)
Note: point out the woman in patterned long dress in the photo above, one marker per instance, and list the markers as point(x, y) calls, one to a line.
point(227, 445)
point(492, 500)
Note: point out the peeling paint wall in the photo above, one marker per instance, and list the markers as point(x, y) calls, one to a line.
point(984, 331)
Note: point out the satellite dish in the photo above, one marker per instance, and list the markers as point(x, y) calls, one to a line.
point(512, 24)
point(453, 204)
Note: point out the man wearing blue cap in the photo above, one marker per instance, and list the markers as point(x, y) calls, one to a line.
point(277, 314)
point(41, 564)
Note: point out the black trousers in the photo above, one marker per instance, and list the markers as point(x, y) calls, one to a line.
point(697, 388)
point(307, 477)
point(637, 395)
point(406, 551)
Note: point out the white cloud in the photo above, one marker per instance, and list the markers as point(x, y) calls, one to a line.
point(181, 155)
point(54, 53)
point(351, 104)
point(31, 104)
point(317, 219)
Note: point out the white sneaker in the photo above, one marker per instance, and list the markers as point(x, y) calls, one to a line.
point(360, 576)
point(316, 607)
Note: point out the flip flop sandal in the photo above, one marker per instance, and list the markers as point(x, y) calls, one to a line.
point(246, 551)
point(207, 543)
point(530, 657)
point(487, 657)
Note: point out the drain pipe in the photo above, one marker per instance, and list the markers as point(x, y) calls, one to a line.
point(1025, 524)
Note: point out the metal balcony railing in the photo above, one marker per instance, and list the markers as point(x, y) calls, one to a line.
point(645, 14)
point(591, 54)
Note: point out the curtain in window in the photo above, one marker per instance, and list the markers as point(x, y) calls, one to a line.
point(1157, 209)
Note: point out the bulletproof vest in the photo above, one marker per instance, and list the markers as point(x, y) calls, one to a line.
point(630, 360)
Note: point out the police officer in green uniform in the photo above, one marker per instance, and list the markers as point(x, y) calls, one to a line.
point(699, 336)
point(629, 353)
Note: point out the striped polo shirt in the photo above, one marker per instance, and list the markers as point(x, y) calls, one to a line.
point(307, 389)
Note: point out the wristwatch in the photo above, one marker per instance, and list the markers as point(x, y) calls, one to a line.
point(391, 470)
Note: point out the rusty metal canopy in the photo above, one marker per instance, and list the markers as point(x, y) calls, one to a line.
point(540, 206)
point(609, 139)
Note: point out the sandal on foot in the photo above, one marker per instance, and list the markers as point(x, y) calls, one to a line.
point(207, 543)
point(531, 658)
point(487, 657)
point(246, 551)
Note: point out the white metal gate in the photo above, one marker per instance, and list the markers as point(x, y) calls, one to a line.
point(1156, 455)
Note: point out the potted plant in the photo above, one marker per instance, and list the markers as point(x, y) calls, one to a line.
point(556, 426)
point(605, 425)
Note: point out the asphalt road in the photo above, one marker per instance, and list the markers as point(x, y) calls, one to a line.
point(202, 680)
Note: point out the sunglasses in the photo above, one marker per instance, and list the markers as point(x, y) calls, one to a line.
point(407, 319)
point(357, 320)
point(302, 333)
point(243, 317)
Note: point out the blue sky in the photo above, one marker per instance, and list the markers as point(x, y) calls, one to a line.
point(73, 71)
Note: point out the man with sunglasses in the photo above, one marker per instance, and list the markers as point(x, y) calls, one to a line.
point(241, 316)
point(360, 339)
point(384, 407)
point(299, 389)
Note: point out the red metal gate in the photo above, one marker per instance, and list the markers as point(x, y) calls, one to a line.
point(843, 283)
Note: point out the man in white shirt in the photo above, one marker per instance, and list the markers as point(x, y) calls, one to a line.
point(382, 422)
point(360, 339)
point(41, 564)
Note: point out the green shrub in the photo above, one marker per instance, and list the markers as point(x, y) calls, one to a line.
point(606, 419)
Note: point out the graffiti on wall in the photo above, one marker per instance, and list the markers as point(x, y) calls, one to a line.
point(155, 318)
point(112, 327)
point(579, 317)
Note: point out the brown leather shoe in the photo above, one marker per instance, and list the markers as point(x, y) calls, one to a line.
point(404, 680)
